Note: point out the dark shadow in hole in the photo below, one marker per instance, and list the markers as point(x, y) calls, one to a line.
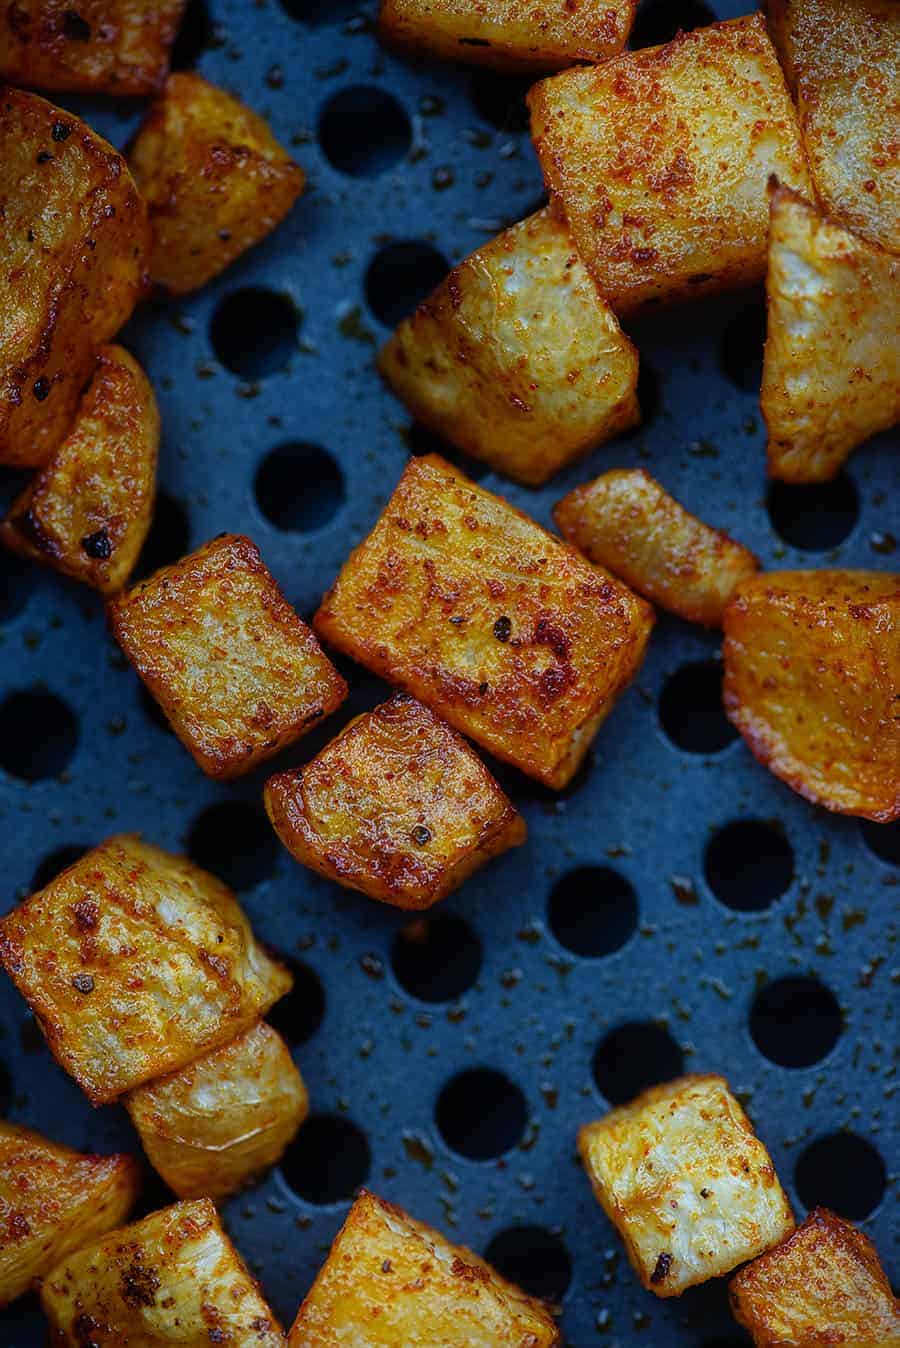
point(634, 1056)
point(55, 862)
point(154, 1194)
point(533, 1258)
point(364, 131)
point(153, 710)
point(17, 579)
point(814, 516)
point(23, 1322)
point(169, 538)
point(298, 1015)
point(649, 395)
point(883, 840)
point(742, 345)
point(315, 13)
point(329, 1160)
point(436, 958)
point(31, 1036)
point(842, 1172)
point(593, 910)
point(499, 100)
point(707, 1313)
point(254, 331)
point(196, 35)
point(421, 440)
point(659, 20)
point(38, 735)
point(481, 1114)
point(522, 788)
point(6, 1090)
point(536, 204)
point(13, 482)
point(234, 840)
point(299, 487)
point(749, 864)
point(400, 276)
point(691, 711)
point(795, 1021)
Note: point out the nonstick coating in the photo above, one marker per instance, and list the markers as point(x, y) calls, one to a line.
point(609, 916)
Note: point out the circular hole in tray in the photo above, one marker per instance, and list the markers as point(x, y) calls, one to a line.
point(843, 1172)
point(533, 1258)
point(593, 911)
point(364, 131)
point(883, 840)
point(659, 20)
point(815, 516)
point(17, 577)
point(55, 862)
point(298, 1015)
point(499, 100)
point(633, 1057)
point(749, 864)
point(299, 487)
point(481, 1114)
point(169, 538)
point(234, 840)
point(38, 735)
point(328, 1161)
point(400, 276)
point(254, 331)
point(691, 711)
point(795, 1021)
point(436, 958)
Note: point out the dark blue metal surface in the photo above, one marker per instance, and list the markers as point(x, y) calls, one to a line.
point(430, 166)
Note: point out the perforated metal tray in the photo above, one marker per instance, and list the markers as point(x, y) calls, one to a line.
point(670, 889)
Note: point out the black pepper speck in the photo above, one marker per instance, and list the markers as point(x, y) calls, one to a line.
point(75, 27)
point(663, 1266)
point(97, 545)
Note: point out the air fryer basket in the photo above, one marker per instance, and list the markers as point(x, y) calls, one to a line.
point(675, 907)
